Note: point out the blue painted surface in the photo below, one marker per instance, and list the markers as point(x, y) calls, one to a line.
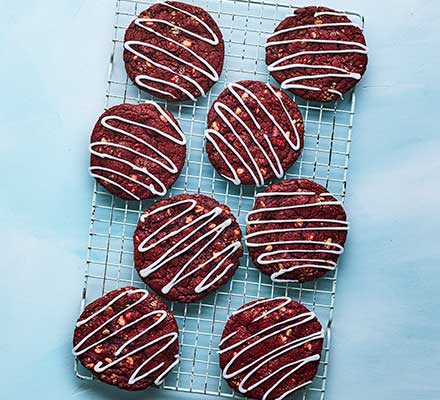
point(53, 67)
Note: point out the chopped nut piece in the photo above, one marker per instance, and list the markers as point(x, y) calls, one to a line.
point(309, 235)
point(98, 349)
point(198, 209)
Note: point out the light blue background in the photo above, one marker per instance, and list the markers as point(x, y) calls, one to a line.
point(53, 65)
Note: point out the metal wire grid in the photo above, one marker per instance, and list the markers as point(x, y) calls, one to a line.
point(245, 25)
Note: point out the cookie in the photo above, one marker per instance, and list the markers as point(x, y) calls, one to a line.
point(270, 348)
point(187, 246)
point(255, 132)
point(137, 151)
point(296, 231)
point(317, 53)
point(174, 51)
point(127, 338)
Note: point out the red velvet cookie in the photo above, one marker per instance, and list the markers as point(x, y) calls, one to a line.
point(137, 151)
point(296, 231)
point(270, 348)
point(174, 51)
point(255, 132)
point(187, 246)
point(317, 53)
point(127, 338)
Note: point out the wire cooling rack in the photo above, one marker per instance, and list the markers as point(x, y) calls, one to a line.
point(245, 25)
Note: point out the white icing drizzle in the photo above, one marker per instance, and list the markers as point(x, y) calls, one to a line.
point(341, 96)
point(136, 376)
point(292, 83)
point(267, 257)
point(255, 366)
point(253, 168)
point(179, 248)
point(209, 71)
point(164, 161)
